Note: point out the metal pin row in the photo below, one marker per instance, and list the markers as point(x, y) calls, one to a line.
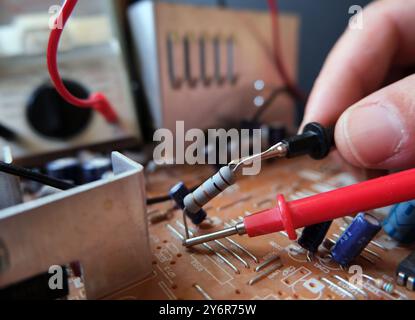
point(204, 78)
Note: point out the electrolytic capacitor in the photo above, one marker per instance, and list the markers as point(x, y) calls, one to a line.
point(312, 236)
point(355, 238)
point(178, 194)
point(68, 169)
point(400, 224)
point(94, 169)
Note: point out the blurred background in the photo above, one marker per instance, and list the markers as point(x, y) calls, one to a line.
point(152, 60)
point(322, 22)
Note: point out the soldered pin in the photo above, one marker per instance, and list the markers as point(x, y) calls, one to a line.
point(316, 141)
point(327, 206)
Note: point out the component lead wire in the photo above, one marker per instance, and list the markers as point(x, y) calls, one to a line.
point(264, 274)
point(226, 261)
point(267, 262)
point(344, 291)
point(202, 292)
point(242, 248)
point(351, 285)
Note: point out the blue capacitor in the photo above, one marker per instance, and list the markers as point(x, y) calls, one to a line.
point(400, 224)
point(94, 169)
point(68, 169)
point(355, 238)
point(178, 193)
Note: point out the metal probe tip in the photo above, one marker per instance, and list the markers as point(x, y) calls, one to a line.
point(237, 229)
point(278, 150)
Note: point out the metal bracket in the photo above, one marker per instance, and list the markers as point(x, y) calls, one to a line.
point(102, 225)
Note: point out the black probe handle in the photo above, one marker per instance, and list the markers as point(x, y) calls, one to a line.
point(316, 141)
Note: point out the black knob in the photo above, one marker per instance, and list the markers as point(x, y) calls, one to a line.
point(51, 116)
point(324, 140)
point(315, 141)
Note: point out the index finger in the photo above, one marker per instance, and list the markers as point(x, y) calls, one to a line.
point(360, 61)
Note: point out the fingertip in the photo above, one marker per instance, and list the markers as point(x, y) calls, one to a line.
point(342, 140)
point(369, 135)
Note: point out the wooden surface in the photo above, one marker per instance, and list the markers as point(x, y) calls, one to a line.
point(178, 271)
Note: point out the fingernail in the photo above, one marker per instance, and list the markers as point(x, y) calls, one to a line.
point(374, 133)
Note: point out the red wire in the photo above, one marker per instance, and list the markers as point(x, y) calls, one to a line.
point(295, 90)
point(97, 100)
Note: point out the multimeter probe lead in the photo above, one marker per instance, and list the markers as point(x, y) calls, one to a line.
point(315, 141)
point(327, 206)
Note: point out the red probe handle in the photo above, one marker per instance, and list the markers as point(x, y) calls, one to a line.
point(327, 206)
point(97, 100)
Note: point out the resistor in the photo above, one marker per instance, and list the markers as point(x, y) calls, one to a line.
point(400, 223)
point(356, 237)
point(179, 193)
point(194, 202)
point(381, 284)
point(316, 141)
point(386, 286)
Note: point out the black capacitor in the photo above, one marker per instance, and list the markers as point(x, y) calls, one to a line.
point(68, 169)
point(94, 169)
point(178, 193)
point(250, 125)
point(37, 288)
point(313, 236)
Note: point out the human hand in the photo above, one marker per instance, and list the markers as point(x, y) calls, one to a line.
point(357, 87)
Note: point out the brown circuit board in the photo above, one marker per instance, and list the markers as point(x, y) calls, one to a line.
point(226, 270)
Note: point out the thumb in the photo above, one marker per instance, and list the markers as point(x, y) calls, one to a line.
point(378, 132)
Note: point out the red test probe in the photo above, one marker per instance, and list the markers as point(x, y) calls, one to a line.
point(327, 206)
